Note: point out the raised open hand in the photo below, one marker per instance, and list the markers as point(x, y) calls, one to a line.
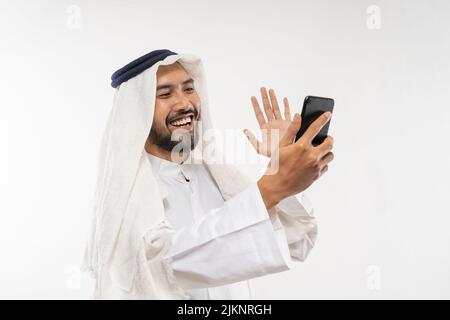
point(272, 121)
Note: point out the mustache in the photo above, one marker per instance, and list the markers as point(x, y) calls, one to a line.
point(181, 114)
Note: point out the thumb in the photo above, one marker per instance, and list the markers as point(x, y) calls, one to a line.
point(291, 131)
point(251, 137)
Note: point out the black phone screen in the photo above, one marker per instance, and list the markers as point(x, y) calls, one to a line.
point(313, 107)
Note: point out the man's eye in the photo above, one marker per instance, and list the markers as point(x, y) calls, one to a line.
point(190, 90)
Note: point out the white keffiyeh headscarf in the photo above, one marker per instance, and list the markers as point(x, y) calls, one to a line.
point(129, 232)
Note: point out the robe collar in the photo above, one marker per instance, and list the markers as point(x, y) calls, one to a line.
point(172, 170)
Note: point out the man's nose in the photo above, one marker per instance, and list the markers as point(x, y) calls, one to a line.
point(182, 101)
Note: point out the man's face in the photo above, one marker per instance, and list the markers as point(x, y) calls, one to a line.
point(177, 109)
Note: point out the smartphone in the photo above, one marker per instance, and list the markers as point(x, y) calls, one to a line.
point(313, 107)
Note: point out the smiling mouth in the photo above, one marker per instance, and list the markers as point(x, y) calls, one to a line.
point(184, 122)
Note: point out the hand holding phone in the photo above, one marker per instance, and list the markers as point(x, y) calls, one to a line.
point(313, 107)
point(299, 164)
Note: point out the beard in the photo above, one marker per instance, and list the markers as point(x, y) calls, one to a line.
point(180, 140)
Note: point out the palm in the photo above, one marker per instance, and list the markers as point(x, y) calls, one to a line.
point(274, 128)
point(269, 131)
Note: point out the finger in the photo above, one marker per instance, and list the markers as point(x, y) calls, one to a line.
point(251, 137)
point(266, 104)
point(325, 146)
point(291, 131)
point(324, 169)
point(326, 159)
point(275, 107)
point(287, 110)
point(258, 113)
point(315, 127)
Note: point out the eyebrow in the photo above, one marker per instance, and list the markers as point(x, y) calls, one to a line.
point(169, 86)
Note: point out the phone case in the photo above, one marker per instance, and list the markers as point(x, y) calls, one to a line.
point(313, 107)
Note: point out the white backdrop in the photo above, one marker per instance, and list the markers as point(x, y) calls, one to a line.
point(382, 207)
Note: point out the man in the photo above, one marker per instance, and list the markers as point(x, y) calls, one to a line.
point(167, 227)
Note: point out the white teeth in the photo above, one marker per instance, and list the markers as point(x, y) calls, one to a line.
point(181, 122)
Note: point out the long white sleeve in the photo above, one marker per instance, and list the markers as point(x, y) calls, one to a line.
point(294, 220)
point(233, 243)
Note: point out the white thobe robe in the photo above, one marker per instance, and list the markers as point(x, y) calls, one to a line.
point(219, 245)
